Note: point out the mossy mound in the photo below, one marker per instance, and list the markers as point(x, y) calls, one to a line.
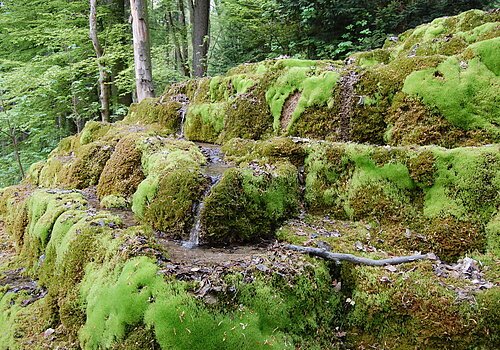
point(426, 312)
point(107, 288)
point(404, 306)
point(79, 160)
point(123, 171)
point(436, 84)
point(249, 203)
point(164, 113)
point(268, 151)
point(173, 184)
point(436, 193)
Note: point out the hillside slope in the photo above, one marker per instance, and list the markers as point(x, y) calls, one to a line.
point(393, 151)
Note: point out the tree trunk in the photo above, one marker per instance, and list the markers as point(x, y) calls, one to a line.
point(15, 144)
point(142, 53)
point(200, 15)
point(104, 78)
point(172, 29)
point(184, 38)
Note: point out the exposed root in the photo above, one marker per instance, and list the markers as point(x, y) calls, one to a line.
point(322, 253)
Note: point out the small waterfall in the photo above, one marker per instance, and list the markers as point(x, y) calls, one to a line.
point(182, 112)
point(213, 170)
point(184, 101)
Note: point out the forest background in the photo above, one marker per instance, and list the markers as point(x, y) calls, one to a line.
point(49, 69)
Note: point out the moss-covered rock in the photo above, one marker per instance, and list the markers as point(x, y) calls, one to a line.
point(270, 150)
point(173, 184)
point(123, 171)
point(163, 112)
point(403, 312)
point(442, 195)
point(249, 203)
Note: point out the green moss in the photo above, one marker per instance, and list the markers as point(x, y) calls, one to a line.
point(415, 123)
point(88, 166)
point(14, 212)
point(225, 88)
point(407, 310)
point(93, 131)
point(121, 296)
point(487, 51)
point(348, 180)
point(371, 58)
point(467, 97)
point(326, 169)
point(33, 174)
point(151, 111)
point(164, 199)
point(8, 317)
point(465, 183)
point(316, 91)
point(421, 168)
point(116, 297)
point(242, 83)
point(489, 321)
point(247, 116)
point(477, 33)
point(114, 201)
point(43, 210)
point(270, 150)
point(144, 195)
point(204, 122)
point(289, 82)
point(123, 171)
point(170, 210)
point(245, 205)
point(54, 171)
point(21, 323)
point(277, 301)
point(493, 235)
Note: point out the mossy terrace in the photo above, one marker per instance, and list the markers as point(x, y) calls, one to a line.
point(421, 172)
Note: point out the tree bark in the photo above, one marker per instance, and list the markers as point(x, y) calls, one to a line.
point(15, 144)
point(200, 22)
point(104, 77)
point(184, 38)
point(322, 253)
point(142, 51)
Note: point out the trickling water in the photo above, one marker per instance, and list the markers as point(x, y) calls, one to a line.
point(184, 101)
point(214, 169)
point(182, 112)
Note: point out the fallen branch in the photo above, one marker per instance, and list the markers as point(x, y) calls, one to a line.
point(322, 253)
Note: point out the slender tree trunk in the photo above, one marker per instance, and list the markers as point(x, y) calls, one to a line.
point(142, 53)
point(104, 78)
point(12, 135)
point(172, 29)
point(200, 22)
point(184, 38)
point(16, 150)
